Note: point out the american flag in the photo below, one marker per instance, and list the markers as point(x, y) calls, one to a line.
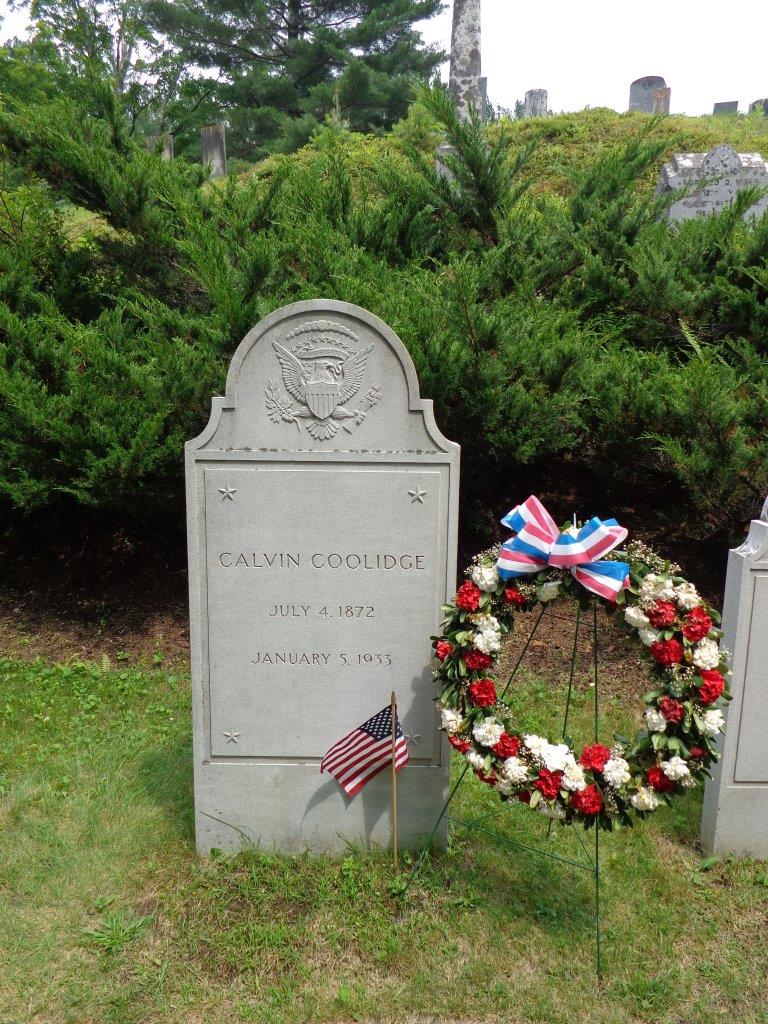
point(364, 752)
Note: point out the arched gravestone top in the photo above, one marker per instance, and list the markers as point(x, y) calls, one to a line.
point(322, 522)
point(267, 409)
point(713, 181)
point(642, 93)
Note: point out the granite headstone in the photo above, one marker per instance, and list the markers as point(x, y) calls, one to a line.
point(464, 71)
point(215, 149)
point(322, 518)
point(162, 144)
point(713, 181)
point(726, 107)
point(535, 103)
point(642, 94)
point(735, 816)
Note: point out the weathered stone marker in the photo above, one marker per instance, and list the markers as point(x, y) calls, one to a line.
point(735, 818)
point(759, 105)
point(726, 107)
point(164, 142)
point(215, 149)
point(321, 506)
point(642, 95)
point(464, 72)
point(715, 178)
point(535, 103)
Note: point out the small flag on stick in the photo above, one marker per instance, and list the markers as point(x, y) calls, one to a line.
point(357, 757)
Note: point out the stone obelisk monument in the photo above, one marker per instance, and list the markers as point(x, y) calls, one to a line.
point(464, 78)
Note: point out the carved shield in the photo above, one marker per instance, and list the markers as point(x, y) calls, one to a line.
point(322, 398)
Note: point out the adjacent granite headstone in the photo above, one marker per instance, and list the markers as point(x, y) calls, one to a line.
point(464, 74)
point(735, 816)
point(661, 98)
point(715, 179)
point(322, 517)
point(642, 94)
point(215, 149)
point(163, 143)
point(760, 105)
point(726, 107)
point(484, 105)
point(535, 103)
point(443, 150)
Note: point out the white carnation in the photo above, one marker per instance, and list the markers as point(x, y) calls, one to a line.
point(548, 591)
point(451, 720)
point(556, 756)
point(706, 654)
point(635, 616)
point(476, 759)
point(644, 799)
point(654, 720)
point(713, 721)
point(487, 732)
point(656, 588)
point(688, 782)
point(485, 577)
point(675, 768)
point(487, 641)
point(536, 744)
point(573, 777)
point(687, 596)
point(514, 770)
point(556, 811)
point(616, 772)
point(486, 623)
point(649, 636)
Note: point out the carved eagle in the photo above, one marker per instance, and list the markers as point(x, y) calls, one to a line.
point(347, 376)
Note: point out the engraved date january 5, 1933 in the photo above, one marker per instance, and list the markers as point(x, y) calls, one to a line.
point(339, 611)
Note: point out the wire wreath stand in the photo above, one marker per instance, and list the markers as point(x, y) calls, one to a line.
point(591, 862)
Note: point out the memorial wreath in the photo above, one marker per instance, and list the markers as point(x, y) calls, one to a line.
point(600, 785)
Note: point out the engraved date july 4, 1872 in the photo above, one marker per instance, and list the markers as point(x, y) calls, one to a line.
point(339, 611)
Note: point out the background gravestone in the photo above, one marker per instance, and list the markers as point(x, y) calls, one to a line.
point(715, 179)
point(321, 506)
point(162, 142)
point(735, 818)
point(759, 105)
point(464, 71)
point(535, 103)
point(661, 98)
point(215, 150)
point(642, 94)
point(726, 107)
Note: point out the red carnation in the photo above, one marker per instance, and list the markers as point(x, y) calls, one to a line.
point(712, 687)
point(588, 800)
point(482, 693)
point(662, 615)
point(699, 753)
point(672, 709)
point(490, 779)
point(513, 596)
point(461, 745)
point(508, 746)
point(468, 597)
point(549, 783)
point(595, 757)
point(658, 780)
point(667, 652)
point(697, 625)
point(476, 661)
point(442, 649)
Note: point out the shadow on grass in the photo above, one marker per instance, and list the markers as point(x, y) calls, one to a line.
point(165, 775)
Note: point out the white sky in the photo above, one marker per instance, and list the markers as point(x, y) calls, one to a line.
point(586, 53)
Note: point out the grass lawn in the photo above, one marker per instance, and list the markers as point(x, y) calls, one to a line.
point(107, 915)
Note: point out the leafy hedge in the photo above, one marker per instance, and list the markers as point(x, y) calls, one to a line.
point(565, 329)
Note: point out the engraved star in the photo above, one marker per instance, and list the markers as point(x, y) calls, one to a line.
point(231, 736)
point(413, 736)
point(226, 492)
point(417, 494)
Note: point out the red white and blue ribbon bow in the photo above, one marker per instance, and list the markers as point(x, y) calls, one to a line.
point(539, 544)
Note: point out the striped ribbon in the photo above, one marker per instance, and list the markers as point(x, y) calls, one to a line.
point(539, 544)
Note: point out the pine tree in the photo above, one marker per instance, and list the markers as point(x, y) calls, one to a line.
point(280, 66)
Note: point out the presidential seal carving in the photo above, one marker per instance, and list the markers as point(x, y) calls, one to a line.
point(322, 372)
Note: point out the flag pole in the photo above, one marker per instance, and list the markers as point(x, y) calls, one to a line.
point(393, 708)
